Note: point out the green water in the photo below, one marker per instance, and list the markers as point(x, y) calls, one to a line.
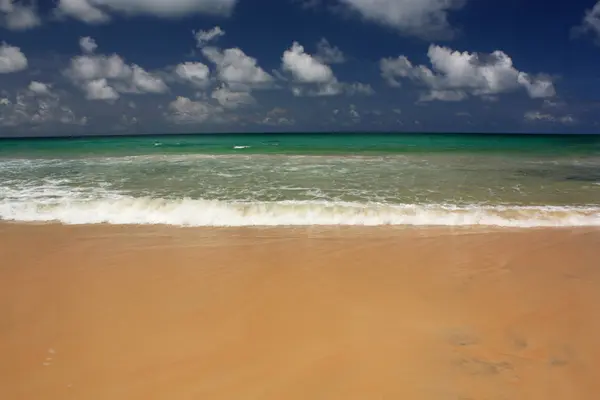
point(308, 144)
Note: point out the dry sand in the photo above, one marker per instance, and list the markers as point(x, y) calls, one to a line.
point(111, 312)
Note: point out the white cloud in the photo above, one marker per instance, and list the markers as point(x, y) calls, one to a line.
point(98, 89)
point(29, 109)
point(308, 70)
point(554, 104)
point(590, 22)
point(454, 75)
point(278, 121)
point(144, 82)
point(333, 88)
point(304, 67)
point(90, 67)
point(11, 59)
point(18, 16)
point(277, 117)
point(328, 54)
point(568, 119)
point(39, 88)
point(394, 68)
point(423, 18)
point(537, 116)
point(102, 77)
point(359, 88)
point(538, 88)
point(83, 10)
point(98, 11)
point(444, 95)
point(195, 73)
point(205, 37)
point(171, 8)
point(231, 99)
point(237, 69)
point(354, 114)
point(186, 111)
point(87, 44)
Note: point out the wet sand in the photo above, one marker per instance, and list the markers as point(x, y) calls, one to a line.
point(123, 312)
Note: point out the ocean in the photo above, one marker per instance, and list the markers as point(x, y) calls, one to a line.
point(304, 179)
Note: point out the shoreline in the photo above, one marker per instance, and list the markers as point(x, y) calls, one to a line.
point(162, 312)
point(377, 231)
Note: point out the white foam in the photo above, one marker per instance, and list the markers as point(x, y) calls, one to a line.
point(190, 212)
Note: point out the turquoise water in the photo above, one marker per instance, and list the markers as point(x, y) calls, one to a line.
point(302, 144)
point(304, 179)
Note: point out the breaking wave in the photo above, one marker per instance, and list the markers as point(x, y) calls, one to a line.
point(191, 212)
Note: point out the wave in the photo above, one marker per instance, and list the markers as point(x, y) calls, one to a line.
point(190, 212)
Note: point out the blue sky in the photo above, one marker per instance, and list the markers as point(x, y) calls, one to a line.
point(151, 66)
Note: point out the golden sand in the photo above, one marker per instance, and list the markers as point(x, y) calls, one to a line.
point(111, 312)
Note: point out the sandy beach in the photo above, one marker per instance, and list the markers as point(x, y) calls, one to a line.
point(125, 312)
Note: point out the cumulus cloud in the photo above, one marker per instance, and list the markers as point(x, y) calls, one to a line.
point(422, 18)
point(306, 69)
point(99, 11)
point(328, 54)
point(144, 82)
point(83, 10)
point(195, 73)
point(205, 37)
point(238, 70)
point(19, 16)
point(454, 75)
point(11, 59)
point(103, 77)
point(29, 109)
point(87, 44)
point(231, 99)
point(394, 68)
point(185, 111)
point(98, 89)
point(590, 23)
point(39, 88)
point(539, 87)
point(235, 73)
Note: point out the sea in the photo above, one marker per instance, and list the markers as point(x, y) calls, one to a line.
point(306, 179)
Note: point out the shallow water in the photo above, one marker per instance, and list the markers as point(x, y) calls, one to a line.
point(235, 180)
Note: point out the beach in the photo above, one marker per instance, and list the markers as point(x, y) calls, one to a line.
point(162, 312)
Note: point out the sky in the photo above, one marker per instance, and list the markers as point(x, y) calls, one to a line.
point(70, 67)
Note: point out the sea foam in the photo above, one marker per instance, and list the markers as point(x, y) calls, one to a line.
point(192, 212)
